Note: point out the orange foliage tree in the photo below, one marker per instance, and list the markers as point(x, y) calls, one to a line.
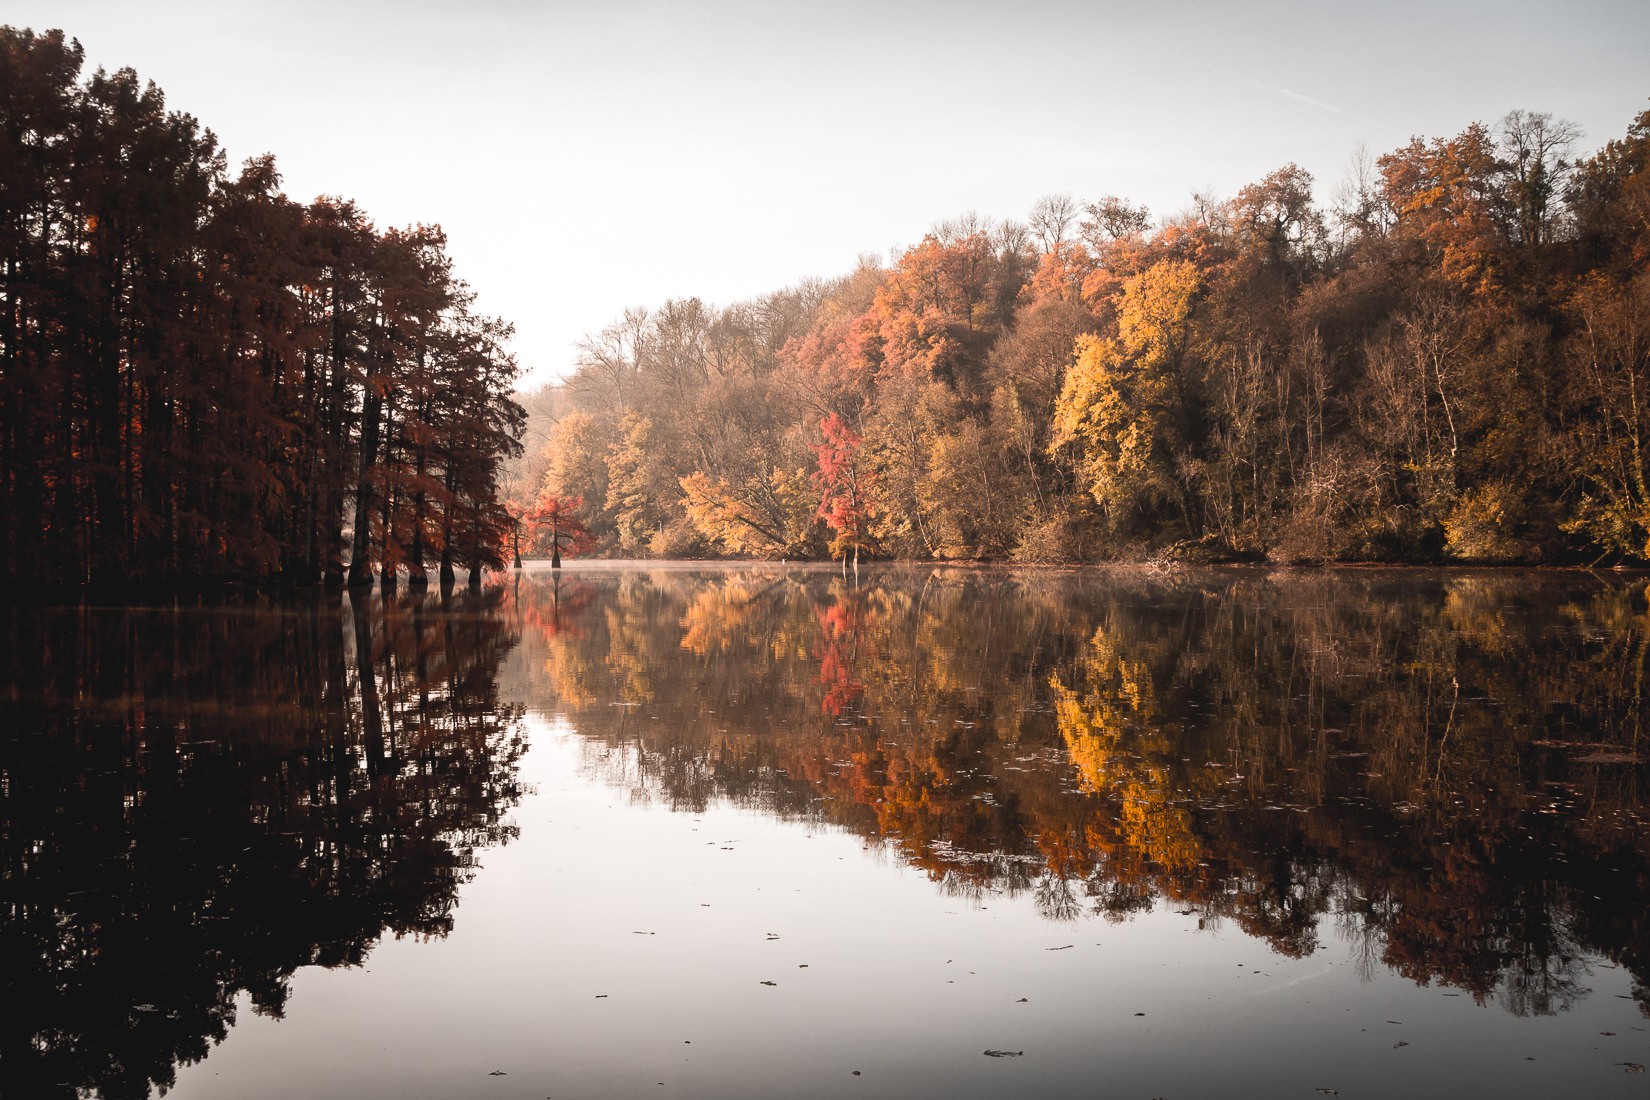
point(555, 520)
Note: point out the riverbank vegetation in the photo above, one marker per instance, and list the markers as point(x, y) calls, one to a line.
point(202, 380)
point(1450, 360)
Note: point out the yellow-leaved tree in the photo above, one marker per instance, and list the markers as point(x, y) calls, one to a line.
point(1122, 396)
point(756, 517)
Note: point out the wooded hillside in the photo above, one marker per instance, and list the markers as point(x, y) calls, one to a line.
point(1449, 361)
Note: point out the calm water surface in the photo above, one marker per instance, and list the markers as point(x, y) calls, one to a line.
point(764, 831)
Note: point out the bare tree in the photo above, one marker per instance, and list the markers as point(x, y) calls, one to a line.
point(1110, 218)
point(610, 362)
point(1052, 219)
point(1535, 151)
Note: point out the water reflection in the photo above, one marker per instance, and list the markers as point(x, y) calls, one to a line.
point(1444, 769)
point(196, 801)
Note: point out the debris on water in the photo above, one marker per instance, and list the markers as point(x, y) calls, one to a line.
point(498, 1073)
point(1330, 1092)
point(1400, 1023)
point(1005, 1053)
point(600, 996)
point(143, 1008)
point(1606, 1033)
point(1022, 1000)
point(1139, 1013)
point(1062, 947)
point(644, 933)
point(1399, 1043)
point(1632, 1067)
point(770, 983)
point(773, 935)
point(802, 966)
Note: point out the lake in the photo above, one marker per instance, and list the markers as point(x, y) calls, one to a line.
point(766, 830)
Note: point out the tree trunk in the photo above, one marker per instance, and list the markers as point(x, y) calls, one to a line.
point(360, 564)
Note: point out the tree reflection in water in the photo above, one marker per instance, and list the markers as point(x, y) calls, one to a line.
point(1444, 769)
point(199, 800)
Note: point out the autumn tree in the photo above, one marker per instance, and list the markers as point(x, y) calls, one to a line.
point(1123, 404)
point(844, 487)
point(554, 522)
point(202, 381)
point(1437, 367)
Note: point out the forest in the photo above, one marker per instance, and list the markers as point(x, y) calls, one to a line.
point(1449, 361)
point(204, 381)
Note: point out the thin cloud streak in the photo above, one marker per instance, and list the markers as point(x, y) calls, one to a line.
point(1261, 84)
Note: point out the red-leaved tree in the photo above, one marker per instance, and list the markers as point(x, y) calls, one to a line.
point(843, 483)
point(554, 521)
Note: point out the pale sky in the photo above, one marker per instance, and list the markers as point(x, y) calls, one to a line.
point(585, 157)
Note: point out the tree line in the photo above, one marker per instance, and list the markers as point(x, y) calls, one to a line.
point(202, 380)
point(1449, 361)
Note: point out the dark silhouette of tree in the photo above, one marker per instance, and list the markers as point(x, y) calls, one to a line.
point(159, 859)
point(202, 381)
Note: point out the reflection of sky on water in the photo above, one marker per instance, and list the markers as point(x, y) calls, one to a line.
point(902, 983)
point(1167, 835)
